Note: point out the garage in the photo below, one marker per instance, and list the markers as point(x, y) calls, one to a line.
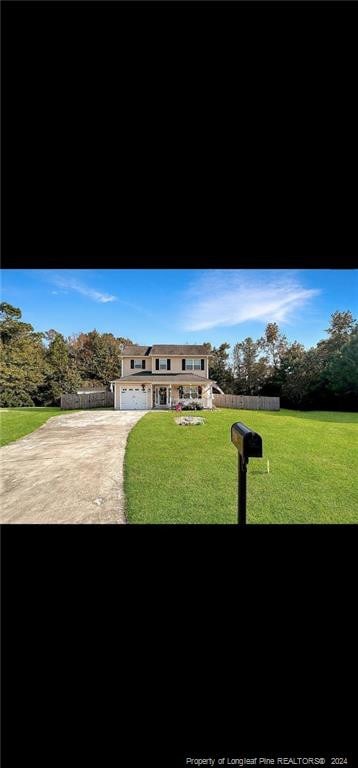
point(133, 399)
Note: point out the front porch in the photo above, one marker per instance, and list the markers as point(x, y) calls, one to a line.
point(166, 397)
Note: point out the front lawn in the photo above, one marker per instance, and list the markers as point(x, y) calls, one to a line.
point(189, 474)
point(17, 422)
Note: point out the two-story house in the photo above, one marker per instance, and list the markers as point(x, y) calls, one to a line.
point(163, 375)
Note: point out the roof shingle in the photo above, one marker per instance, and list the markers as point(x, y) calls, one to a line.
point(135, 349)
point(161, 378)
point(179, 349)
point(165, 349)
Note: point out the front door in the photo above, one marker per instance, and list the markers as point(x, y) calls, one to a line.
point(161, 396)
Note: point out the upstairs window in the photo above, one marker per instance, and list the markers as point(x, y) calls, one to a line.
point(162, 364)
point(192, 365)
point(138, 363)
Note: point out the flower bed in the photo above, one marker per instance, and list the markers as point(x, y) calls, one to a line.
point(189, 405)
point(188, 421)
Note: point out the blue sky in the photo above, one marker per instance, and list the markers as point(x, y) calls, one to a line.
point(182, 306)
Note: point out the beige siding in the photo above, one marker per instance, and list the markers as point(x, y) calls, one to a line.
point(126, 366)
point(176, 366)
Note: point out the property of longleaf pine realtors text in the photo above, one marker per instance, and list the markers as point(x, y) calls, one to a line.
point(213, 762)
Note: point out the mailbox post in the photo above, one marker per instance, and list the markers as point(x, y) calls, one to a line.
point(248, 444)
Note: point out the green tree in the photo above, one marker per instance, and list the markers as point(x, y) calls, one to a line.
point(274, 345)
point(61, 374)
point(297, 371)
point(219, 369)
point(342, 369)
point(97, 355)
point(250, 371)
point(341, 327)
point(22, 359)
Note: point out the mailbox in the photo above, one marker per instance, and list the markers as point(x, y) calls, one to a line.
point(247, 442)
point(249, 445)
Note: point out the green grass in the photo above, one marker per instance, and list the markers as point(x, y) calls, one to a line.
point(189, 474)
point(17, 422)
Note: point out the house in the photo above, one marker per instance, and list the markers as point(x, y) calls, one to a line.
point(163, 375)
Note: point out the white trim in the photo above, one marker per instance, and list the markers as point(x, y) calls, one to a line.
point(193, 360)
point(190, 387)
point(168, 388)
point(200, 383)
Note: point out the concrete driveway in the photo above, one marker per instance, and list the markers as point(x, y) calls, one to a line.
point(70, 470)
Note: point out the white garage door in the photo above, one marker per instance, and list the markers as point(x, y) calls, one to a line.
point(133, 399)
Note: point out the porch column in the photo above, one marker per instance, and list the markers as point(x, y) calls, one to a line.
point(209, 396)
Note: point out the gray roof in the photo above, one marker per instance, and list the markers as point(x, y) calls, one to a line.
point(179, 349)
point(165, 349)
point(163, 378)
point(135, 349)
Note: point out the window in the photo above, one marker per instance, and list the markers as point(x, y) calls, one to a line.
point(138, 364)
point(192, 365)
point(162, 363)
point(190, 393)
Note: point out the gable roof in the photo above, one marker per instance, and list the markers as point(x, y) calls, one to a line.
point(165, 349)
point(135, 349)
point(179, 349)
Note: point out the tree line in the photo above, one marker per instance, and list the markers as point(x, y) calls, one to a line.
point(37, 367)
point(323, 376)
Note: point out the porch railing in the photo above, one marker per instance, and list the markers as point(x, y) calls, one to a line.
point(204, 401)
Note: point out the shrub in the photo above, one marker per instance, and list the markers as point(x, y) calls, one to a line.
point(12, 399)
point(192, 405)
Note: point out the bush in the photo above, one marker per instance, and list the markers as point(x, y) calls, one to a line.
point(193, 405)
point(12, 399)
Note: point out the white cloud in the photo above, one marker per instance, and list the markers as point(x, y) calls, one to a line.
point(75, 285)
point(71, 283)
point(231, 297)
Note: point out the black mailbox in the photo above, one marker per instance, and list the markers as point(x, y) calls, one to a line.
point(249, 445)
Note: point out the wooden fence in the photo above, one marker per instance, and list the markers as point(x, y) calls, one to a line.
point(103, 399)
point(247, 402)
